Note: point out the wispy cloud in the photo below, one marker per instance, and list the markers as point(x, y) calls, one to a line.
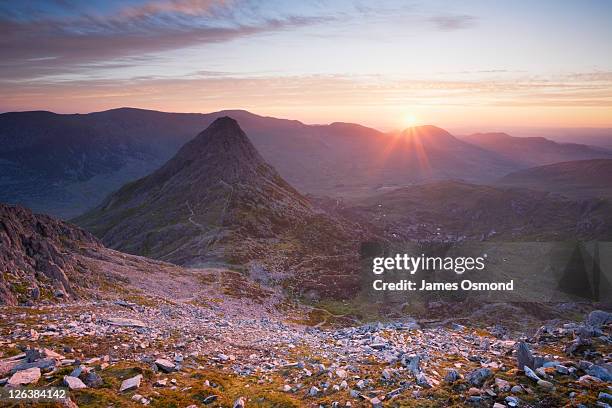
point(41, 46)
point(451, 22)
point(204, 90)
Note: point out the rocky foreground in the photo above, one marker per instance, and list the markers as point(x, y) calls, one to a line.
point(233, 352)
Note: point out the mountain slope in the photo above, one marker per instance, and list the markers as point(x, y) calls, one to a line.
point(456, 211)
point(45, 259)
point(579, 179)
point(533, 151)
point(66, 164)
point(217, 201)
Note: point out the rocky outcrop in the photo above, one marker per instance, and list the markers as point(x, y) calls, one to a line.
point(37, 256)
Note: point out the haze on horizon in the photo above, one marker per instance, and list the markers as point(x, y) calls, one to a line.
point(477, 64)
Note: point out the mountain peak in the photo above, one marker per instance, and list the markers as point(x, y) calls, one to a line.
point(428, 134)
point(223, 129)
point(221, 140)
point(225, 122)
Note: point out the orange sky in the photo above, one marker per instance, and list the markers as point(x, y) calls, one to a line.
point(476, 63)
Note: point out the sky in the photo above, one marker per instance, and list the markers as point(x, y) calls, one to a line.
point(483, 65)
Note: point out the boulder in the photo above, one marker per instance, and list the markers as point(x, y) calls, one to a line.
point(240, 403)
point(422, 380)
point(74, 383)
point(166, 366)
point(479, 376)
point(24, 377)
point(121, 322)
point(131, 383)
point(524, 356)
point(93, 380)
point(603, 372)
point(598, 318)
point(451, 376)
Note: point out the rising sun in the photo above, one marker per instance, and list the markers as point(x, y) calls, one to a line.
point(410, 120)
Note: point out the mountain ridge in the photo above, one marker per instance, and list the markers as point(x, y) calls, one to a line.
point(535, 150)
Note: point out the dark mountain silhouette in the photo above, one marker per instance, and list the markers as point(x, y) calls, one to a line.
point(217, 202)
point(65, 164)
point(534, 151)
point(578, 179)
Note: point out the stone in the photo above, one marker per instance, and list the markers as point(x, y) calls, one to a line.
point(161, 382)
point(512, 401)
point(93, 380)
point(240, 403)
point(502, 385)
point(68, 403)
point(74, 383)
point(121, 322)
point(76, 372)
point(45, 365)
point(210, 399)
point(422, 380)
point(52, 354)
point(524, 356)
point(498, 405)
point(479, 376)
point(24, 377)
point(598, 318)
point(517, 389)
point(131, 383)
point(531, 374)
point(562, 370)
point(32, 355)
point(313, 391)
point(546, 385)
point(412, 362)
point(376, 403)
point(603, 372)
point(589, 380)
point(451, 376)
point(341, 373)
point(604, 396)
point(286, 388)
point(166, 366)
point(7, 366)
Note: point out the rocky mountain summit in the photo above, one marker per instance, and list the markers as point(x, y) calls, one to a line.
point(218, 202)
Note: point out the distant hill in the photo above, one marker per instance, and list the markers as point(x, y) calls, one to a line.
point(66, 164)
point(217, 202)
point(533, 151)
point(452, 210)
point(579, 179)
